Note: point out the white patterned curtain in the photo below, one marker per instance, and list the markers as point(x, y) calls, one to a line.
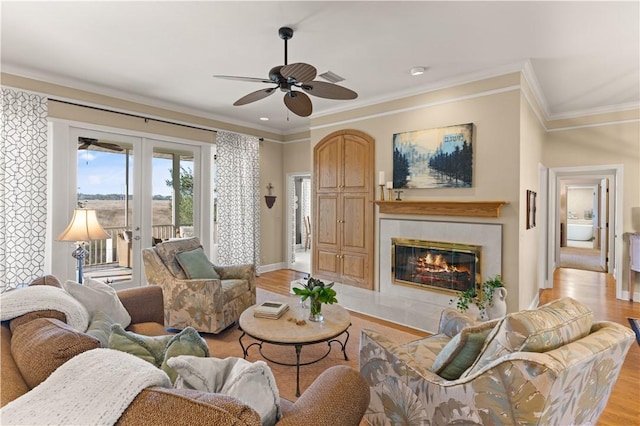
point(23, 187)
point(238, 187)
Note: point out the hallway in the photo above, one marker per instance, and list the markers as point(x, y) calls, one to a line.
point(580, 258)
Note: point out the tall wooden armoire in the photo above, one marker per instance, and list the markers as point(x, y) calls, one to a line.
point(343, 194)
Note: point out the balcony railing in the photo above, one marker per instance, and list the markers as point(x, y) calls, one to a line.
point(104, 252)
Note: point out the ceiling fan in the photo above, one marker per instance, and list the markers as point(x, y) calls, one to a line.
point(85, 143)
point(289, 76)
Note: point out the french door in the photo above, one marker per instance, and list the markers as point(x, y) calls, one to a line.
point(144, 190)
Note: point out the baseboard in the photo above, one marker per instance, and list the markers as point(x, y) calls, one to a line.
point(272, 267)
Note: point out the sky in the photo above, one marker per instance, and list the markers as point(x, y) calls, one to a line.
point(104, 173)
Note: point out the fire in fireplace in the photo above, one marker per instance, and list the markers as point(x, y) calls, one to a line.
point(440, 266)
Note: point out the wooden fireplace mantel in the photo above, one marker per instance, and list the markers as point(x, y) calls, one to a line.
point(443, 208)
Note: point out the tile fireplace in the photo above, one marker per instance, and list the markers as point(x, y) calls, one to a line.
point(470, 250)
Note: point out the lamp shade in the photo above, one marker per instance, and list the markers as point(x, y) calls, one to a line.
point(84, 226)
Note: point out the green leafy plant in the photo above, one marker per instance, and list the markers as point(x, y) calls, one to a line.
point(317, 289)
point(481, 296)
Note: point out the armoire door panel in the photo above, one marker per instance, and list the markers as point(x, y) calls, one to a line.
point(327, 263)
point(327, 217)
point(355, 160)
point(355, 269)
point(328, 177)
point(355, 222)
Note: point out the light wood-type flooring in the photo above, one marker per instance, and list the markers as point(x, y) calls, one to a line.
point(596, 290)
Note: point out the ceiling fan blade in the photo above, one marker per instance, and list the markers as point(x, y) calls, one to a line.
point(84, 146)
point(250, 79)
point(255, 96)
point(328, 90)
point(298, 103)
point(300, 72)
point(110, 146)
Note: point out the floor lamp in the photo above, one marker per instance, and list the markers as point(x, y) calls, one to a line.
point(84, 227)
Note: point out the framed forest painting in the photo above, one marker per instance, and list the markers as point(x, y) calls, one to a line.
point(434, 158)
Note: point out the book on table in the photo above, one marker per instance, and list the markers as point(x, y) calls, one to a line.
point(269, 309)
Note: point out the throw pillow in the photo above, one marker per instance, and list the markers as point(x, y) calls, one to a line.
point(462, 350)
point(100, 328)
point(45, 313)
point(47, 280)
point(159, 349)
point(538, 330)
point(453, 321)
point(40, 346)
point(196, 265)
point(167, 252)
point(251, 383)
point(149, 348)
point(97, 296)
point(187, 342)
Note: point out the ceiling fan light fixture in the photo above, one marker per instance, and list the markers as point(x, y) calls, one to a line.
point(417, 71)
point(298, 75)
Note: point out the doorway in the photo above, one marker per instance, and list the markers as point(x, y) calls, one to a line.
point(584, 224)
point(299, 222)
point(588, 198)
point(144, 190)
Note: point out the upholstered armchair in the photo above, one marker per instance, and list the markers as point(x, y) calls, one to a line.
point(549, 366)
point(196, 293)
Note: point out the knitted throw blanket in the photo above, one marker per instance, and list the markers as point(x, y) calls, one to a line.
point(42, 297)
point(93, 388)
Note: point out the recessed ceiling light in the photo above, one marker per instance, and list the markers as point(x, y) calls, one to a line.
point(264, 118)
point(417, 71)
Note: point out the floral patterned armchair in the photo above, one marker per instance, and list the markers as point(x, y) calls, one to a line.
point(209, 305)
point(550, 366)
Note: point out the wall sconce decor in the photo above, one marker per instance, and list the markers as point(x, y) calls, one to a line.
point(270, 199)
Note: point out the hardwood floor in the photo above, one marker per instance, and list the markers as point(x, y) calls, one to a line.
point(596, 290)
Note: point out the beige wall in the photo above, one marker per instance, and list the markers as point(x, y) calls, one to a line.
point(510, 143)
point(607, 144)
point(529, 258)
point(271, 219)
point(496, 116)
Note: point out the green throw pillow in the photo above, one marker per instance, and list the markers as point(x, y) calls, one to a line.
point(158, 349)
point(462, 350)
point(196, 265)
point(149, 348)
point(100, 328)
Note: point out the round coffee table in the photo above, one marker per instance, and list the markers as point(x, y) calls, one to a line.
point(287, 333)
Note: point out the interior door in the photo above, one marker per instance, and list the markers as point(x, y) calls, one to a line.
point(603, 222)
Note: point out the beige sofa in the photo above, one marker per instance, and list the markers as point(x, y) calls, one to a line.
point(208, 305)
point(550, 366)
point(339, 396)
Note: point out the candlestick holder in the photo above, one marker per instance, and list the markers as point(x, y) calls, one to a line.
point(398, 198)
point(381, 192)
point(390, 190)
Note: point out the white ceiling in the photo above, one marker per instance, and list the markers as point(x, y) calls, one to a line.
point(585, 56)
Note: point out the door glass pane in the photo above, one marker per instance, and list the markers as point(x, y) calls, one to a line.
point(105, 170)
point(172, 194)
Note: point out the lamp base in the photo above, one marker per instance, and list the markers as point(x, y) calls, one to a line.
point(80, 253)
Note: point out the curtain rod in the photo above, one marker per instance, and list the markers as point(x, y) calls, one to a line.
point(128, 114)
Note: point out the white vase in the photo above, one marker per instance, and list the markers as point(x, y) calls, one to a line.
point(499, 308)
